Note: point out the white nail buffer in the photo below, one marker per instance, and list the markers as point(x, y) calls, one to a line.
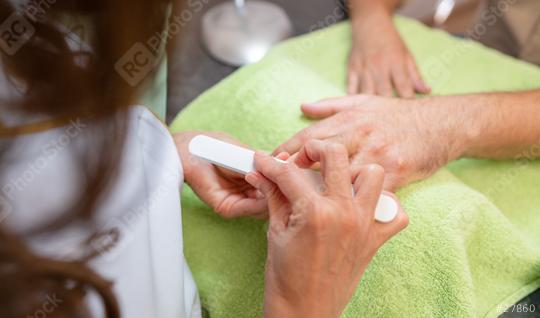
point(241, 160)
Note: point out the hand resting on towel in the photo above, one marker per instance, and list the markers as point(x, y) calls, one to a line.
point(413, 138)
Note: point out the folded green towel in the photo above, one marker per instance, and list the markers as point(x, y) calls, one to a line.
point(473, 243)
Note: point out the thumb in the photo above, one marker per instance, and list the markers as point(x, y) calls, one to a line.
point(328, 107)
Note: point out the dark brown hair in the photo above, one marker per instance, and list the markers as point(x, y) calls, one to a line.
point(65, 84)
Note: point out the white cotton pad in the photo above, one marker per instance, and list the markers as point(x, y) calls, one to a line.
point(241, 160)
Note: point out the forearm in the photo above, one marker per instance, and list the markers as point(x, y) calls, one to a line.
point(498, 125)
point(359, 8)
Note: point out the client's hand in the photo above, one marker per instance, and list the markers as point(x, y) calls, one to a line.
point(410, 139)
point(318, 244)
point(379, 61)
point(225, 191)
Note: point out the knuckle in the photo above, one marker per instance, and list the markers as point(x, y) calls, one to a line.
point(366, 128)
point(305, 135)
point(377, 149)
point(355, 66)
point(222, 210)
point(336, 149)
point(285, 171)
point(376, 170)
point(399, 164)
point(311, 143)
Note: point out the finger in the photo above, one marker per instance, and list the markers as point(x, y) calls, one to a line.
point(274, 197)
point(326, 128)
point(237, 207)
point(351, 138)
point(368, 86)
point(402, 82)
point(392, 181)
point(315, 166)
point(283, 156)
point(419, 85)
point(368, 186)
point(253, 193)
point(320, 130)
point(352, 83)
point(382, 80)
point(287, 176)
point(330, 106)
point(334, 161)
point(296, 142)
point(229, 174)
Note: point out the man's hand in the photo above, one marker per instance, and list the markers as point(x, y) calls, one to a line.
point(379, 61)
point(225, 191)
point(410, 139)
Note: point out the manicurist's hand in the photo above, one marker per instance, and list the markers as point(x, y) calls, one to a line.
point(409, 138)
point(319, 242)
point(379, 61)
point(225, 191)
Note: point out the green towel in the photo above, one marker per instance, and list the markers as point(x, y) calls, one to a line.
point(473, 243)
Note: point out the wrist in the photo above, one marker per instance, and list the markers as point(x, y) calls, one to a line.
point(276, 306)
point(366, 9)
point(293, 304)
point(378, 19)
point(483, 123)
point(460, 121)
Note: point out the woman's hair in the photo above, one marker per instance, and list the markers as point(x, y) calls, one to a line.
point(59, 80)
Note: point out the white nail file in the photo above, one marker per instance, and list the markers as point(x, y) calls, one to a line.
point(241, 160)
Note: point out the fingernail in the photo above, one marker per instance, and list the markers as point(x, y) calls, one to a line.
point(283, 155)
point(259, 194)
point(312, 104)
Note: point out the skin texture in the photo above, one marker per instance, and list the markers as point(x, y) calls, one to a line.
point(319, 244)
point(411, 139)
point(379, 61)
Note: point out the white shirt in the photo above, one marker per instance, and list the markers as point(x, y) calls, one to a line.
point(142, 210)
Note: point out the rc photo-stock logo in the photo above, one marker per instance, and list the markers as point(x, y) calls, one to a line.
point(15, 31)
point(5, 207)
point(136, 64)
